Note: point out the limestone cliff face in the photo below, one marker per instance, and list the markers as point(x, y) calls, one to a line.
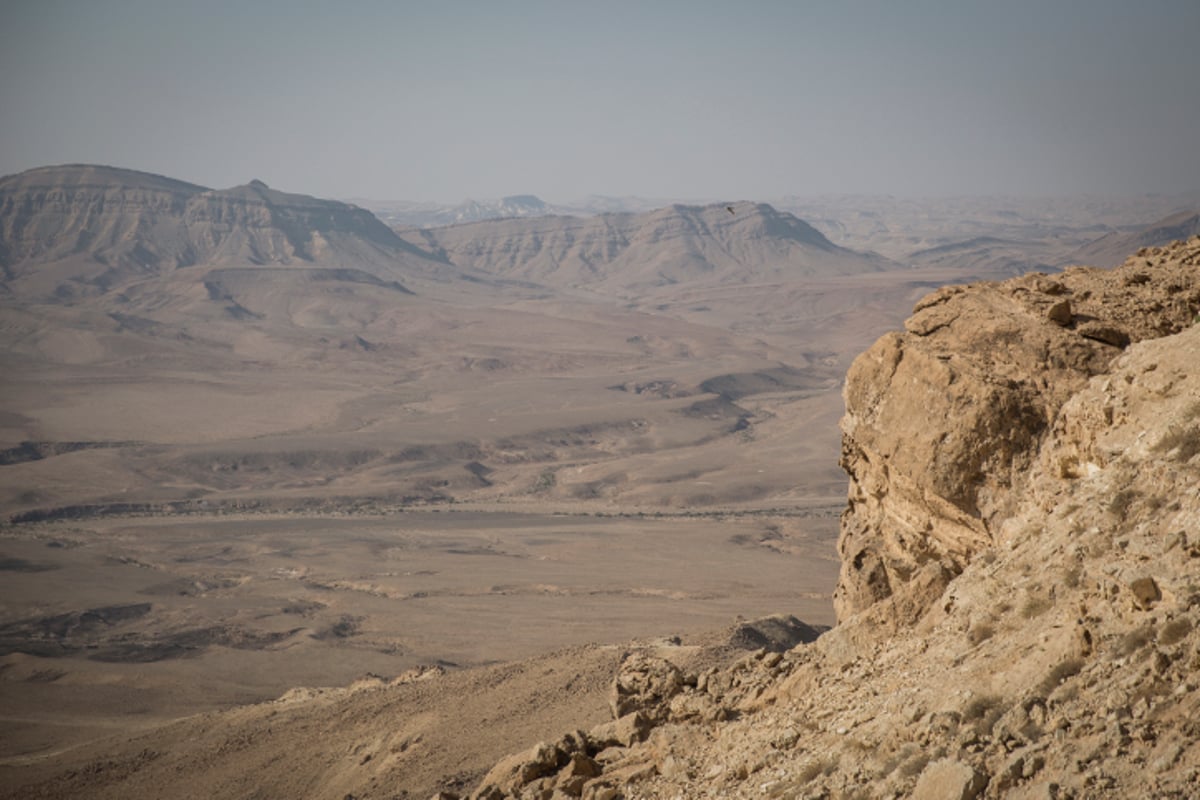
point(54, 213)
point(944, 420)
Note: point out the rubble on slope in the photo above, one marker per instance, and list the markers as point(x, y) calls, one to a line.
point(1058, 658)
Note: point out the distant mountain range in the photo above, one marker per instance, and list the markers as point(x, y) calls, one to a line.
point(1112, 249)
point(405, 214)
point(1001, 234)
point(714, 244)
point(76, 230)
point(431, 215)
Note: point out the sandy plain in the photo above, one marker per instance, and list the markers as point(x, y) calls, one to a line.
point(172, 616)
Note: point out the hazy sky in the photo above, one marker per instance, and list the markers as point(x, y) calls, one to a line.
point(442, 100)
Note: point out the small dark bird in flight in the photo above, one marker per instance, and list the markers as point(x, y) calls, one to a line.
point(729, 209)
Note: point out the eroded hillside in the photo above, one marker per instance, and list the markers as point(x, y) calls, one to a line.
point(74, 231)
point(620, 253)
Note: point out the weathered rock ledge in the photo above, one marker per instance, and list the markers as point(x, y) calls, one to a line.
point(944, 420)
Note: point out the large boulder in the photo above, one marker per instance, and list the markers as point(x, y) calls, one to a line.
point(645, 684)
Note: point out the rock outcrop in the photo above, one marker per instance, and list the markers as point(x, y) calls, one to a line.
point(944, 420)
point(1039, 638)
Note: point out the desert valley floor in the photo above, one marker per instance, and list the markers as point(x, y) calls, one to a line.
point(179, 615)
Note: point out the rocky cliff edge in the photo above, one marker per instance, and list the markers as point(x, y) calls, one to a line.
point(945, 419)
point(1020, 596)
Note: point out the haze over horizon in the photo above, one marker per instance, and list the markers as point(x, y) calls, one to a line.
point(705, 99)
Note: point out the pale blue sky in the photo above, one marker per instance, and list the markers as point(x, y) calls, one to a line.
point(738, 100)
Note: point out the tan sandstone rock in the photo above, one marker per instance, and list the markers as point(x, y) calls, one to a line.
point(646, 684)
point(944, 420)
point(949, 780)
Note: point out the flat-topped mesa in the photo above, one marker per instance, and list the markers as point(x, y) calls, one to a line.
point(102, 227)
point(944, 419)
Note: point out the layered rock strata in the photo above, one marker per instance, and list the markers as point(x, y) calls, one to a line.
point(944, 420)
point(715, 244)
point(128, 224)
